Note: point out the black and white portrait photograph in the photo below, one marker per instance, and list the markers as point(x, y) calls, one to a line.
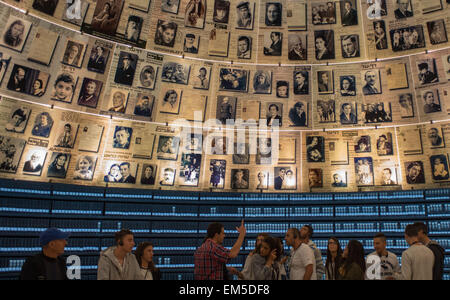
point(326, 111)
point(262, 180)
point(175, 73)
point(376, 9)
point(218, 146)
point(315, 178)
point(262, 82)
point(377, 112)
point(431, 101)
point(274, 114)
point(301, 82)
point(299, 114)
point(297, 46)
point(282, 89)
point(148, 174)
point(193, 143)
point(144, 105)
point(165, 33)
point(168, 147)
point(339, 178)
point(28, 81)
point(363, 144)
point(245, 14)
point(437, 32)
point(284, 178)
point(126, 68)
point(45, 6)
point(323, 13)
point(191, 43)
point(120, 172)
point(414, 172)
point(364, 171)
point(19, 116)
point(201, 76)
point(133, 29)
point(147, 77)
point(349, 12)
point(348, 113)
point(388, 176)
point(195, 14)
point(350, 46)
point(122, 137)
point(226, 109)
point(217, 169)
point(170, 6)
point(406, 105)
point(189, 173)
point(171, 101)
point(15, 33)
point(58, 165)
point(98, 59)
point(43, 124)
point(11, 150)
point(240, 179)
point(371, 81)
point(118, 101)
point(380, 35)
point(74, 53)
point(90, 92)
point(324, 44)
point(85, 167)
point(435, 138)
point(273, 14)
point(273, 43)
point(407, 38)
point(325, 80)
point(404, 9)
point(439, 167)
point(264, 151)
point(315, 149)
point(34, 159)
point(233, 80)
point(107, 16)
point(221, 12)
point(347, 85)
point(66, 135)
point(427, 71)
point(241, 154)
point(64, 87)
point(384, 144)
point(244, 47)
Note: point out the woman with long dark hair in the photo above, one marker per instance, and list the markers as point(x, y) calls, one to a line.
point(266, 265)
point(144, 256)
point(354, 266)
point(334, 259)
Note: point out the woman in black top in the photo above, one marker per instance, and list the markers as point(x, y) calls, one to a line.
point(334, 259)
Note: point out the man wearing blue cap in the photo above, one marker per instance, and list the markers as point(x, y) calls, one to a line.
point(47, 265)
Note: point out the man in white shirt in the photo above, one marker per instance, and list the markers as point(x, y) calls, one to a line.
point(301, 263)
point(306, 233)
point(388, 263)
point(417, 260)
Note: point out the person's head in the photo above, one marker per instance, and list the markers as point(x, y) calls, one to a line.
point(125, 169)
point(243, 44)
point(167, 32)
point(118, 99)
point(18, 117)
point(382, 139)
point(428, 97)
point(405, 100)
point(38, 84)
point(67, 128)
point(334, 246)
point(239, 175)
point(122, 136)
point(171, 97)
point(347, 5)
point(126, 60)
point(354, 253)
point(262, 177)
point(190, 40)
point(299, 78)
point(379, 27)
point(114, 170)
point(144, 253)
point(346, 83)
point(337, 178)
point(91, 86)
point(313, 176)
point(370, 77)
point(53, 241)
point(145, 101)
point(73, 50)
point(324, 77)
point(423, 68)
point(268, 245)
point(273, 110)
point(433, 133)
point(99, 50)
point(216, 232)
point(292, 236)
point(306, 232)
point(35, 157)
point(64, 86)
point(282, 89)
point(411, 234)
point(349, 45)
point(299, 108)
point(168, 175)
point(289, 173)
point(422, 231)
point(16, 29)
point(379, 243)
point(84, 163)
point(148, 172)
point(347, 108)
point(321, 44)
point(60, 160)
point(414, 170)
point(282, 172)
point(243, 10)
point(202, 72)
point(403, 4)
point(124, 240)
point(221, 12)
point(386, 174)
point(20, 74)
point(273, 13)
point(275, 36)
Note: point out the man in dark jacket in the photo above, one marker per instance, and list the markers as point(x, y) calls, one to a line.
point(438, 251)
point(47, 265)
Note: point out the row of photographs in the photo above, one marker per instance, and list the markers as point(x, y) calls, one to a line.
point(107, 16)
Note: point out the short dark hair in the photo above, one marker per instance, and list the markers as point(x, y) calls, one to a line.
point(310, 230)
point(118, 236)
point(295, 232)
point(214, 228)
point(421, 227)
point(423, 66)
point(411, 230)
point(380, 236)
